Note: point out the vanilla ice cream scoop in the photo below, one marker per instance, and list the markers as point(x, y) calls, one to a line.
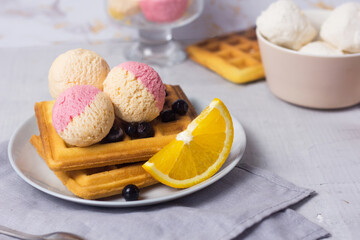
point(321, 49)
point(136, 90)
point(82, 115)
point(77, 67)
point(284, 24)
point(119, 9)
point(342, 27)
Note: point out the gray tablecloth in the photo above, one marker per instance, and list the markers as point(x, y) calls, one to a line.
point(248, 203)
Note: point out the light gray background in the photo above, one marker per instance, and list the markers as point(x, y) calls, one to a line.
point(313, 149)
point(44, 22)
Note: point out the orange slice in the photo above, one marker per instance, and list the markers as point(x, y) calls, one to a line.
point(198, 152)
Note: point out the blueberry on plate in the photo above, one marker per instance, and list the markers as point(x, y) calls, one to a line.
point(168, 115)
point(180, 106)
point(131, 192)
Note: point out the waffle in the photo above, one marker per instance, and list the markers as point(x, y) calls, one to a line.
point(235, 56)
point(61, 157)
point(102, 181)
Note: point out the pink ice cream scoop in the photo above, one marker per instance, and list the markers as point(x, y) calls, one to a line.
point(163, 11)
point(82, 115)
point(136, 90)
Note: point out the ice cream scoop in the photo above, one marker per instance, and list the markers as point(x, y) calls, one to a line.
point(82, 115)
point(136, 90)
point(342, 27)
point(284, 24)
point(120, 9)
point(321, 49)
point(163, 11)
point(77, 67)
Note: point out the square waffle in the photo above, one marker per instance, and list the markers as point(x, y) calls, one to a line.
point(102, 181)
point(235, 56)
point(61, 157)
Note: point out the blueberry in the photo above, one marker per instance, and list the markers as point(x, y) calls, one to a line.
point(116, 134)
point(145, 130)
point(167, 116)
point(180, 107)
point(139, 130)
point(131, 192)
point(131, 130)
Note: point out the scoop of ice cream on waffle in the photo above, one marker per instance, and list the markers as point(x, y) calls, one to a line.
point(77, 67)
point(136, 90)
point(82, 115)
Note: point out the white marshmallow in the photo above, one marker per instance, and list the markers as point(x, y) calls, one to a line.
point(320, 48)
point(342, 27)
point(284, 24)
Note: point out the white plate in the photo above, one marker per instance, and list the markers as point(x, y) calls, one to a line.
point(32, 169)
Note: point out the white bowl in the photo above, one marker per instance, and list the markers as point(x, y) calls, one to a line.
point(324, 82)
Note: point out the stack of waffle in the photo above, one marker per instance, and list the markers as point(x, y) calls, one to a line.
point(234, 56)
point(104, 169)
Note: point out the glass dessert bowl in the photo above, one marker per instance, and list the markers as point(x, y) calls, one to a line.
point(154, 20)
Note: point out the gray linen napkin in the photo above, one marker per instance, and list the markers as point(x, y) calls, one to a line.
point(245, 204)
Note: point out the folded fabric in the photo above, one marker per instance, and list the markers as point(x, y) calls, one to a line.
point(245, 204)
point(284, 225)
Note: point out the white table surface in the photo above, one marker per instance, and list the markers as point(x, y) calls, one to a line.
point(315, 149)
